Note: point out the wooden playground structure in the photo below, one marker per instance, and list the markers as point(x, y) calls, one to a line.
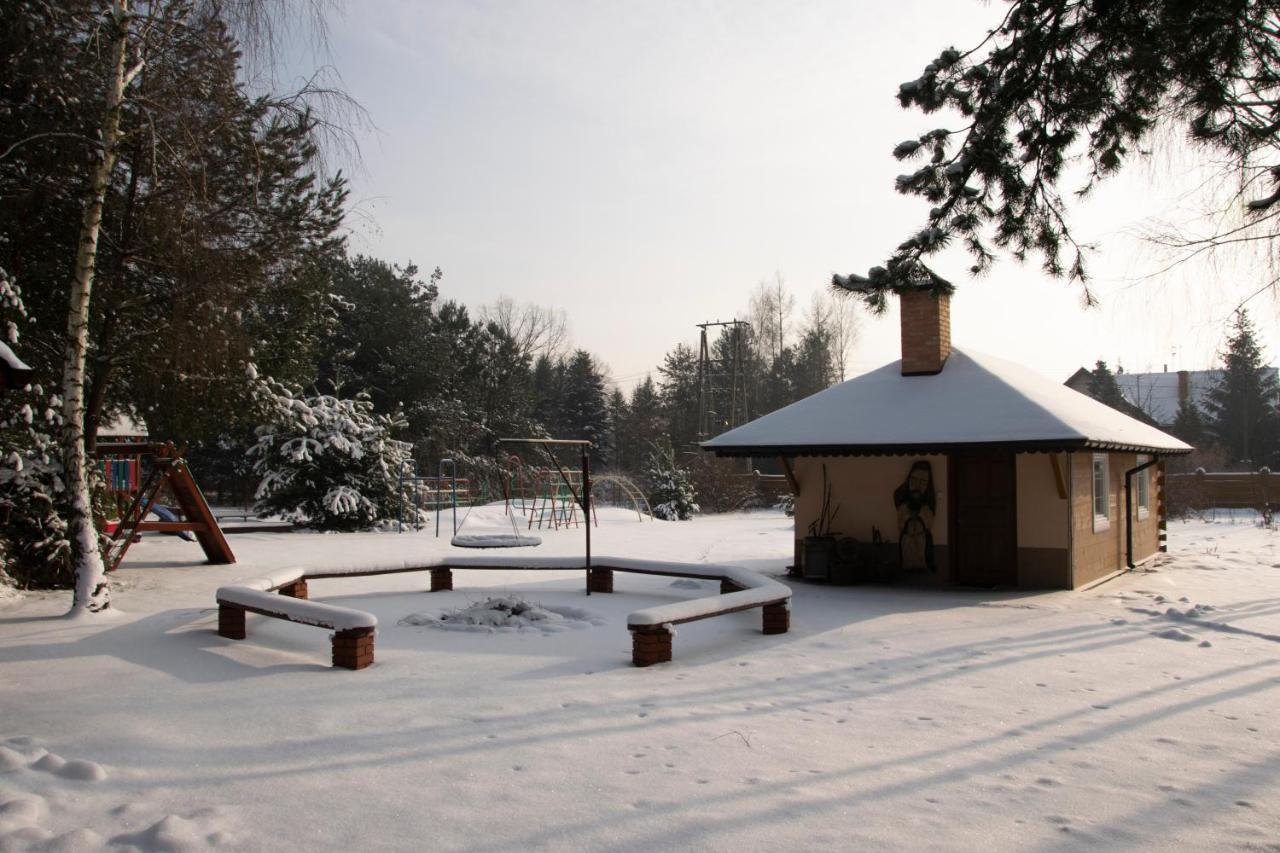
point(137, 474)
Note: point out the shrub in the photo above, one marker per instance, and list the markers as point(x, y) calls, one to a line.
point(327, 462)
point(671, 493)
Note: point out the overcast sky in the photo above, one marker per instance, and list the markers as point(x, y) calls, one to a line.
point(643, 165)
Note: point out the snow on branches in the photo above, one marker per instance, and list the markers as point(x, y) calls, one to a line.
point(326, 462)
point(1064, 88)
point(670, 490)
point(34, 548)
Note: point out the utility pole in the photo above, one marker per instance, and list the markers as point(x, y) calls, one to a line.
point(722, 379)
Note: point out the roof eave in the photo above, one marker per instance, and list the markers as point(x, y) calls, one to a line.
point(1036, 446)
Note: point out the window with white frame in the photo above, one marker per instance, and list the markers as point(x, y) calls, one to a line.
point(1101, 493)
point(1144, 488)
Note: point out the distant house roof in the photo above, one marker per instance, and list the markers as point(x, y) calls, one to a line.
point(13, 372)
point(976, 401)
point(1158, 394)
point(122, 426)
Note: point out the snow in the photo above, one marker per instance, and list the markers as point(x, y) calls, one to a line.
point(494, 540)
point(337, 618)
point(10, 359)
point(887, 718)
point(508, 613)
point(976, 399)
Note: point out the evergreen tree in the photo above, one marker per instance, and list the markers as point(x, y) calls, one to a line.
point(1104, 388)
point(583, 408)
point(327, 462)
point(1063, 79)
point(1242, 405)
point(34, 546)
point(1189, 424)
point(619, 437)
point(648, 423)
point(678, 390)
point(670, 490)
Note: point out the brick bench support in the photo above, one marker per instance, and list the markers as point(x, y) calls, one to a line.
point(777, 618)
point(353, 649)
point(600, 580)
point(441, 580)
point(650, 646)
point(231, 622)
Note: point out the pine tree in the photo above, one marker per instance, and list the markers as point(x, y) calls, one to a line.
point(1104, 388)
point(678, 390)
point(648, 422)
point(1242, 405)
point(35, 550)
point(1189, 424)
point(583, 408)
point(1061, 80)
point(619, 435)
point(327, 462)
point(670, 490)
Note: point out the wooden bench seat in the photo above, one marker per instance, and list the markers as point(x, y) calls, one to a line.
point(651, 629)
point(353, 630)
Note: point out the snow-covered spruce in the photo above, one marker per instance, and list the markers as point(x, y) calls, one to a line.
point(327, 462)
point(670, 490)
point(34, 547)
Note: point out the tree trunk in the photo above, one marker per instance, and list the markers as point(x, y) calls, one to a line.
point(91, 592)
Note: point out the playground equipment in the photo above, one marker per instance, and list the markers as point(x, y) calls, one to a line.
point(555, 502)
point(617, 490)
point(419, 494)
point(140, 470)
point(602, 582)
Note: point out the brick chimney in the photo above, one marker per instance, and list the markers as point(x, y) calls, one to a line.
point(926, 331)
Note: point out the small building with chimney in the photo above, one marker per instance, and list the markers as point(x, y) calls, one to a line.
point(962, 468)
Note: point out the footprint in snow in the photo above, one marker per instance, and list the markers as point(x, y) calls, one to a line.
point(1174, 634)
point(76, 769)
point(23, 811)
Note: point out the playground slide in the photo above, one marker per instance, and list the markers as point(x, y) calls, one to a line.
point(166, 514)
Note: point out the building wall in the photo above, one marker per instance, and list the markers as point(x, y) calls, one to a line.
point(862, 487)
point(1097, 553)
point(1044, 520)
point(1057, 545)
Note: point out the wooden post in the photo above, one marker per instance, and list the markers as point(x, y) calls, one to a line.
point(297, 589)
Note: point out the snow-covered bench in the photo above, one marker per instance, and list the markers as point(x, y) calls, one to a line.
point(353, 630)
point(651, 629)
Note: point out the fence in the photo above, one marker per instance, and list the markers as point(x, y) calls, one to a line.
point(1187, 493)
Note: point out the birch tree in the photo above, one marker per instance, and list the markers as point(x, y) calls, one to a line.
point(91, 593)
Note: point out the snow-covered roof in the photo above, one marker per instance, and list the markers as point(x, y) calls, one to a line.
point(124, 426)
point(1158, 393)
point(977, 399)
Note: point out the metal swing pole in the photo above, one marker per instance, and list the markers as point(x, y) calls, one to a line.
point(586, 507)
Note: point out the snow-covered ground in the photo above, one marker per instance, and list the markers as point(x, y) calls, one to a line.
point(1138, 715)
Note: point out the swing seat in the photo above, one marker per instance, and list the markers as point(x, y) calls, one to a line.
point(494, 540)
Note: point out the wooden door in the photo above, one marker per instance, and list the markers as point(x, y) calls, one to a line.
point(984, 531)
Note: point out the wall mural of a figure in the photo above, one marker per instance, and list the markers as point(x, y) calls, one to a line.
point(916, 503)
